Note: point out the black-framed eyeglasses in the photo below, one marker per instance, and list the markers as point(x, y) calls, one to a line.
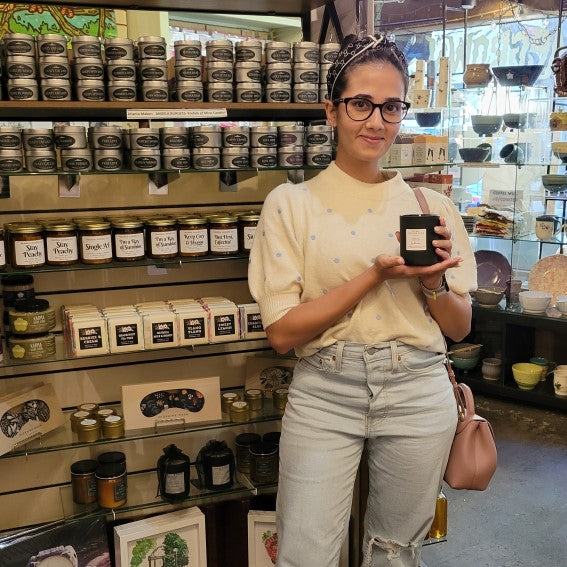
point(392, 111)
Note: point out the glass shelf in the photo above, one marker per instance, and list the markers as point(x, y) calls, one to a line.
point(561, 241)
point(63, 438)
point(61, 354)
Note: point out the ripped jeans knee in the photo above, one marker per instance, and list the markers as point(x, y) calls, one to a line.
point(391, 553)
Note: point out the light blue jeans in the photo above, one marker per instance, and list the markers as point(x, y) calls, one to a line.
point(398, 400)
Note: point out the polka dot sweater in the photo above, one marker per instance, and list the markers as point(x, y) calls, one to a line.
point(317, 235)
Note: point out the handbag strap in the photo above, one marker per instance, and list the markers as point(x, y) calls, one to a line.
point(421, 200)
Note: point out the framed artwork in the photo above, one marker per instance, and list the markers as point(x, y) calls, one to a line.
point(176, 539)
point(262, 538)
point(267, 373)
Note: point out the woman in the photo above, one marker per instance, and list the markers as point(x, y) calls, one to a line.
point(326, 271)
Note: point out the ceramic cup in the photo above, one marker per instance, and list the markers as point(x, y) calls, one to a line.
point(512, 153)
point(560, 381)
point(421, 98)
point(491, 368)
point(547, 366)
point(547, 226)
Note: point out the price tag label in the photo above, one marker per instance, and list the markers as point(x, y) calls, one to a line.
point(174, 113)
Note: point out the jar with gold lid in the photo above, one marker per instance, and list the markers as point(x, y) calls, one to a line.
point(227, 398)
point(88, 430)
point(62, 248)
point(27, 247)
point(111, 485)
point(113, 427)
point(128, 239)
point(247, 224)
point(77, 417)
point(193, 236)
point(161, 238)
point(239, 412)
point(95, 242)
point(255, 399)
point(279, 398)
point(223, 235)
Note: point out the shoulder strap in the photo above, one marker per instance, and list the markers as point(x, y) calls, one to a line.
point(421, 200)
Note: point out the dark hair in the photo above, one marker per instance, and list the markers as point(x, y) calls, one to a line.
point(386, 51)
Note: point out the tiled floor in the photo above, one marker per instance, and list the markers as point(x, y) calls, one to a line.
point(521, 519)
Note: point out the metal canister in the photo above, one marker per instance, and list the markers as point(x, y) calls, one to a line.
point(278, 73)
point(11, 161)
point(70, 137)
point(323, 92)
point(21, 67)
point(121, 70)
point(56, 89)
point(306, 73)
point(51, 44)
point(154, 91)
point(54, 67)
point(108, 160)
point(105, 137)
point(319, 135)
point(77, 160)
point(263, 158)
point(10, 138)
point(324, 71)
point(19, 44)
point(23, 89)
point(235, 158)
point(205, 136)
point(263, 136)
point(248, 92)
point(152, 47)
point(291, 135)
point(38, 139)
point(278, 52)
point(189, 91)
point(318, 155)
point(176, 159)
point(278, 92)
point(188, 70)
point(86, 46)
point(248, 50)
point(174, 137)
point(206, 158)
point(235, 136)
point(88, 68)
point(146, 160)
point(290, 156)
point(90, 90)
point(187, 49)
point(117, 48)
point(219, 92)
point(41, 161)
point(120, 91)
point(220, 72)
point(328, 52)
point(219, 50)
point(305, 52)
point(306, 92)
point(248, 72)
point(153, 70)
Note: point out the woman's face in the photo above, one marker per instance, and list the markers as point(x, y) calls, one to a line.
point(370, 139)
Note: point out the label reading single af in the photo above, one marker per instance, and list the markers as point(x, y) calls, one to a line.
point(224, 325)
point(194, 328)
point(416, 239)
point(97, 247)
point(162, 332)
point(127, 335)
point(90, 338)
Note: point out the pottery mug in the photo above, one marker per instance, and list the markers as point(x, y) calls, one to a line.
point(560, 381)
point(421, 98)
point(547, 226)
point(547, 366)
point(477, 75)
point(512, 153)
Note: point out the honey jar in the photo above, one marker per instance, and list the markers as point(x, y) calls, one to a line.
point(223, 234)
point(128, 240)
point(248, 223)
point(95, 242)
point(193, 236)
point(61, 244)
point(161, 238)
point(27, 247)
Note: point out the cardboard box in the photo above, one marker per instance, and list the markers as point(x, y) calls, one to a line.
point(428, 149)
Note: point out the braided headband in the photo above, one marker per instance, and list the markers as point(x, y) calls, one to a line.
point(353, 50)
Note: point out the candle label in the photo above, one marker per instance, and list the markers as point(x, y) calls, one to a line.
point(162, 332)
point(220, 475)
point(416, 239)
point(194, 328)
point(120, 491)
point(91, 487)
point(90, 337)
point(224, 325)
point(174, 483)
point(127, 335)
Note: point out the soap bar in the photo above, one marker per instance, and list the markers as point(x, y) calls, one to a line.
point(125, 332)
point(224, 323)
point(89, 335)
point(193, 325)
point(251, 321)
point(160, 329)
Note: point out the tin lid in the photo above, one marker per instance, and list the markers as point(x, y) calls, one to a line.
point(230, 395)
point(173, 130)
point(19, 36)
point(153, 63)
point(291, 128)
point(118, 41)
point(104, 412)
point(160, 221)
point(248, 43)
point(305, 44)
point(16, 280)
point(94, 225)
point(88, 424)
point(248, 439)
point(238, 407)
point(213, 129)
point(322, 149)
point(330, 46)
point(219, 43)
point(192, 221)
point(263, 448)
point(151, 39)
point(89, 406)
point(228, 219)
point(76, 152)
point(249, 86)
point(87, 61)
point(37, 132)
point(247, 65)
point(127, 223)
point(85, 39)
point(249, 217)
point(10, 130)
point(112, 458)
point(105, 129)
point(24, 228)
point(154, 131)
point(278, 45)
point(29, 59)
point(113, 421)
point(264, 129)
point(281, 392)
point(31, 305)
point(30, 338)
point(205, 151)
point(188, 42)
point(319, 128)
point(87, 466)
point(110, 471)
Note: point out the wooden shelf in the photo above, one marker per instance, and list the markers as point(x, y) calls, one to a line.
point(89, 111)
point(268, 7)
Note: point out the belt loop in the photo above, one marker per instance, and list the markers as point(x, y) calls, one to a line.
point(339, 355)
point(394, 351)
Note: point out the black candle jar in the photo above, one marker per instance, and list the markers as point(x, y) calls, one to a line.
point(243, 443)
point(416, 239)
point(215, 466)
point(173, 471)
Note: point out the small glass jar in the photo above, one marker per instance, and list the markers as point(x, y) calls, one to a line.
point(77, 417)
point(88, 430)
point(227, 399)
point(83, 481)
point(113, 427)
point(279, 397)
point(161, 238)
point(247, 229)
point(31, 317)
point(243, 443)
point(95, 242)
point(193, 236)
point(223, 234)
point(239, 412)
point(128, 240)
point(27, 247)
point(111, 486)
point(61, 244)
point(255, 399)
point(263, 463)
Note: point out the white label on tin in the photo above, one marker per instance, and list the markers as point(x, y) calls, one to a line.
point(248, 233)
point(97, 247)
point(224, 240)
point(62, 248)
point(192, 241)
point(416, 239)
point(221, 475)
point(175, 113)
point(164, 242)
point(129, 245)
point(29, 253)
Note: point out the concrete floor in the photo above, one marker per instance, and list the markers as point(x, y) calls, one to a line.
point(521, 519)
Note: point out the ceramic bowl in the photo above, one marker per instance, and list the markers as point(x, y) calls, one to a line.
point(463, 363)
point(559, 150)
point(474, 154)
point(467, 350)
point(428, 119)
point(489, 296)
point(561, 304)
point(515, 120)
point(488, 147)
point(534, 301)
point(517, 75)
point(554, 182)
point(486, 124)
point(526, 374)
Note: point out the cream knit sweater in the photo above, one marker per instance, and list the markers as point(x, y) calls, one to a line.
point(316, 235)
